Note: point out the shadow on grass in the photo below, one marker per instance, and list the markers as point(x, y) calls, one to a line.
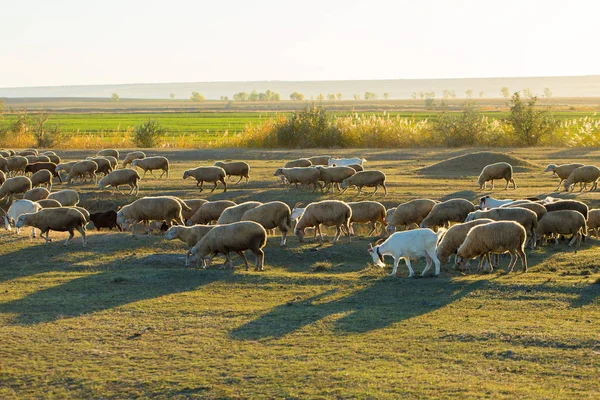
point(385, 302)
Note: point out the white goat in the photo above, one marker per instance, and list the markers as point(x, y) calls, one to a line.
point(406, 244)
point(489, 202)
point(345, 161)
point(18, 208)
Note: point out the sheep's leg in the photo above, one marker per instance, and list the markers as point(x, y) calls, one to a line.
point(283, 236)
point(239, 180)
point(47, 238)
point(372, 224)
point(224, 185)
point(513, 260)
point(71, 234)
point(574, 239)
point(81, 230)
point(152, 173)
point(161, 175)
point(143, 176)
point(558, 187)
point(119, 190)
point(376, 188)
point(214, 187)
point(359, 189)
point(201, 183)
point(260, 260)
point(244, 259)
point(480, 264)
point(318, 230)
point(32, 232)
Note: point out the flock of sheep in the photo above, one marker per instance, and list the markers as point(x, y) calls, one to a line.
point(208, 228)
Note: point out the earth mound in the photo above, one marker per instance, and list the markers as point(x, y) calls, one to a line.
point(473, 163)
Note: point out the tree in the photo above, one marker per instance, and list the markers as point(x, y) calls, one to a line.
point(148, 134)
point(275, 96)
point(253, 96)
point(370, 96)
point(296, 96)
point(530, 125)
point(469, 93)
point(505, 92)
point(421, 95)
point(320, 97)
point(481, 93)
point(547, 93)
point(240, 96)
point(196, 97)
point(386, 95)
point(458, 129)
point(331, 96)
point(356, 96)
point(263, 97)
point(413, 95)
point(339, 96)
point(172, 96)
point(114, 97)
point(527, 93)
point(429, 99)
point(224, 98)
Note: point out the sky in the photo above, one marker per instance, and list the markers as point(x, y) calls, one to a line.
point(50, 43)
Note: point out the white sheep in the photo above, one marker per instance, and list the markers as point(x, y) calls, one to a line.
point(335, 175)
point(366, 178)
point(151, 209)
point(490, 202)
point(235, 168)
point(194, 205)
point(501, 170)
point(593, 222)
point(303, 175)
point(271, 215)
point(151, 164)
point(134, 155)
point(408, 214)
point(83, 169)
point(563, 222)
point(586, 174)
point(319, 160)
point(209, 212)
point(371, 212)
point(42, 177)
point(121, 177)
point(453, 210)
point(16, 165)
point(108, 152)
point(454, 237)
point(562, 171)
point(36, 194)
point(327, 212)
point(299, 163)
point(57, 219)
point(234, 213)
point(406, 244)
point(13, 186)
point(207, 174)
point(190, 235)
point(66, 197)
point(527, 218)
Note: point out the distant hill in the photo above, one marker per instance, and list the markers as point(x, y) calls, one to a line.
point(569, 86)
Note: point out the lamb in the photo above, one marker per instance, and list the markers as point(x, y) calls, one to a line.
point(527, 218)
point(134, 155)
point(538, 209)
point(302, 175)
point(235, 168)
point(18, 208)
point(106, 219)
point(501, 170)
point(42, 177)
point(299, 163)
point(40, 166)
point(454, 237)
point(586, 174)
point(563, 222)
point(36, 194)
point(593, 222)
point(82, 169)
point(104, 166)
point(49, 203)
point(407, 244)
point(121, 177)
point(407, 214)
point(190, 235)
point(16, 164)
point(239, 236)
point(371, 212)
point(562, 171)
point(345, 161)
point(234, 213)
point(271, 215)
point(207, 174)
point(151, 164)
point(35, 159)
point(194, 205)
point(454, 210)
point(151, 209)
point(108, 152)
point(327, 212)
point(57, 219)
point(13, 186)
point(568, 205)
point(209, 212)
point(66, 197)
point(494, 237)
point(319, 160)
point(334, 175)
point(365, 178)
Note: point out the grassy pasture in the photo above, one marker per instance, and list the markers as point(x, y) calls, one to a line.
point(123, 318)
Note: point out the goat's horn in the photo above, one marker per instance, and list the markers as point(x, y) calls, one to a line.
point(298, 204)
point(378, 241)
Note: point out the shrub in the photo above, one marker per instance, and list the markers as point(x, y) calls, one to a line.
point(530, 125)
point(148, 134)
point(311, 127)
point(459, 129)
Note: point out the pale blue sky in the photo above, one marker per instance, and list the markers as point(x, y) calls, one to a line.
point(128, 41)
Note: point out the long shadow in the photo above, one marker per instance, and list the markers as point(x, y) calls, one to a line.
point(379, 305)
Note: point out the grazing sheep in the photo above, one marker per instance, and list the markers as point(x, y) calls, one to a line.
point(84, 212)
point(365, 178)
point(302, 175)
point(5, 153)
point(13, 186)
point(40, 166)
point(18, 208)
point(151, 164)
point(407, 244)
point(57, 219)
point(357, 167)
point(334, 175)
point(108, 152)
point(114, 163)
point(47, 153)
point(299, 163)
point(49, 203)
point(104, 166)
point(271, 215)
point(407, 214)
point(235, 213)
point(319, 160)
point(151, 209)
point(83, 169)
point(209, 212)
point(42, 177)
point(194, 205)
point(16, 165)
point(494, 237)
point(54, 158)
point(66, 197)
point(207, 174)
point(190, 235)
point(454, 210)
point(134, 155)
point(106, 219)
point(562, 171)
point(327, 212)
point(525, 217)
point(66, 167)
point(345, 161)
point(2, 177)
point(568, 205)
point(223, 239)
point(36, 159)
point(593, 222)
point(454, 237)
point(28, 152)
point(235, 168)
point(499, 170)
point(586, 174)
point(371, 212)
point(121, 177)
point(538, 209)
point(4, 165)
point(563, 222)
point(36, 194)
point(490, 202)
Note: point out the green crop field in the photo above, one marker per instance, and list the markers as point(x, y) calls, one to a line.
point(123, 317)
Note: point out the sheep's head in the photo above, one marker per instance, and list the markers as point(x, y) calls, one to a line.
point(21, 221)
point(390, 229)
point(550, 168)
point(344, 184)
point(135, 163)
point(278, 172)
point(300, 233)
point(186, 174)
point(121, 219)
point(219, 164)
point(102, 183)
point(171, 233)
point(461, 263)
point(470, 217)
